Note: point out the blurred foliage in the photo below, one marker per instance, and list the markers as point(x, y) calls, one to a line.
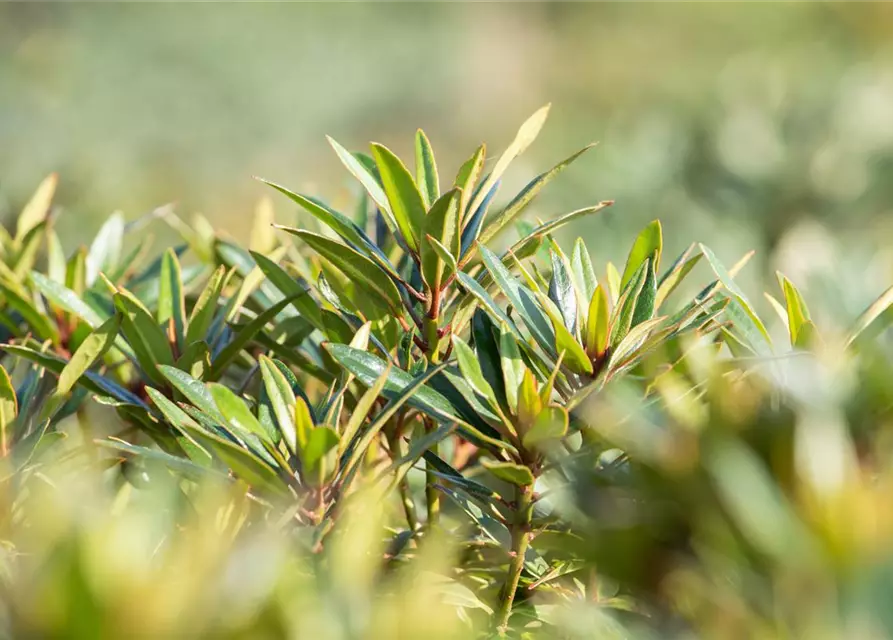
point(734, 123)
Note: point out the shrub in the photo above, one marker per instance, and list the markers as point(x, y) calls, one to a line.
point(389, 429)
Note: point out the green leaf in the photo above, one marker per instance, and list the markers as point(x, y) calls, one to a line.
point(337, 222)
point(320, 441)
point(747, 319)
point(368, 368)
point(302, 301)
point(38, 321)
point(440, 225)
point(510, 472)
point(282, 399)
point(171, 303)
point(362, 410)
point(550, 425)
point(521, 299)
point(193, 390)
point(512, 366)
point(66, 299)
point(206, 306)
point(449, 262)
point(582, 272)
point(181, 466)
point(526, 196)
point(648, 244)
point(105, 250)
point(626, 305)
point(403, 195)
point(360, 269)
point(368, 180)
point(574, 355)
point(244, 464)
point(525, 136)
point(95, 383)
point(798, 313)
point(243, 337)
point(561, 291)
point(236, 413)
point(27, 255)
point(597, 323)
point(35, 212)
point(528, 245)
point(645, 301)
point(877, 317)
point(426, 169)
point(91, 350)
point(676, 274)
point(467, 177)
point(148, 341)
point(471, 370)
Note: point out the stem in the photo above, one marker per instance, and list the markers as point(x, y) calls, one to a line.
point(520, 541)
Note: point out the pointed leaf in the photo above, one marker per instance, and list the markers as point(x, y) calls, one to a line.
point(526, 196)
point(403, 195)
point(426, 169)
point(648, 244)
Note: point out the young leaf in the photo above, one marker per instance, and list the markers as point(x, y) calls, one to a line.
point(426, 169)
point(648, 244)
point(798, 313)
point(550, 425)
point(282, 398)
point(171, 302)
point(626, 305)
point(582, 272)
point(597, 323)
point(440, 224)
point(467, 178)
point(512, 367)
point(574, 355)
point(877, 317)
point(645, 301)
point(38, 206)
point(561, 291)
point(403, 195)
point(105, 250)
point(525, 136)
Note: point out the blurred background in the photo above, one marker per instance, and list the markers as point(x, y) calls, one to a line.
point(740, 125)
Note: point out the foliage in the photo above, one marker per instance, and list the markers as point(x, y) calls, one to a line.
point(383, 427)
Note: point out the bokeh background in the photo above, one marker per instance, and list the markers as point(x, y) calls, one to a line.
point(741, 125)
